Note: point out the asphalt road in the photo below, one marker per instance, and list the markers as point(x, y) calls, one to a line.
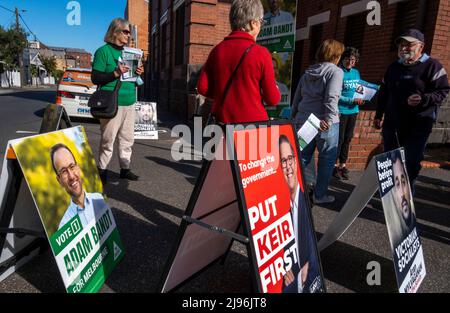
point(149, 211)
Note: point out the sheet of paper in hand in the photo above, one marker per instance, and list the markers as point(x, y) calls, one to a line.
point(132, 58)
point(308, 131)
point(365, 90)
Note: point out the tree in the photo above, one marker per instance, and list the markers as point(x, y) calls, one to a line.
point(12, 44)
point(34, 70)
point(49, 64)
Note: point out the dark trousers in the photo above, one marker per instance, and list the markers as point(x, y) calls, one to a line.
point(414, 139)
point(347, 124)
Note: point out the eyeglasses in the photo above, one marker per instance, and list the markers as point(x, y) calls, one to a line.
point(262, 21)
point(64, 172)
point(126, 32)
point(284, 161)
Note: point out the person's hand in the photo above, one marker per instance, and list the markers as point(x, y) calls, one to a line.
point(377, 123)
point(289, 278)
point(121, 69)
point(414, 100)
point(324, 125)
point(358, 101)
point(140, 70)
point(304, 272)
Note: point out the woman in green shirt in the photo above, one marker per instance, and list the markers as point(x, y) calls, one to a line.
point(106, 71)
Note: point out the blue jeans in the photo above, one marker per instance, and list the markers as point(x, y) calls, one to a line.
point(327, 144)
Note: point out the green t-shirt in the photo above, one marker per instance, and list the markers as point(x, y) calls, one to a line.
point(106, 59)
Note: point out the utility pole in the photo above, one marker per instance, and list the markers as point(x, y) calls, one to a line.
point(17, 19)
point(20, 56)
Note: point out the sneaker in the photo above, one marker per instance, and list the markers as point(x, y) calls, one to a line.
point(344, 173)
point(103, 175)
point(337, 173)
point(324, 199)
point(128, 174)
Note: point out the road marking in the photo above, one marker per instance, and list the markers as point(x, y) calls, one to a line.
point(25, 132)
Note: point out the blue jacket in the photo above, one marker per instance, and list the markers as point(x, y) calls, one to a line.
point(351, 79)
point(427, 77)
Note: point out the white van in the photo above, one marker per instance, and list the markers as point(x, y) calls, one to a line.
point(74, 90)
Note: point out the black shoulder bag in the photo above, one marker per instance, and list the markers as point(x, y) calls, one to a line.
point(104, 103)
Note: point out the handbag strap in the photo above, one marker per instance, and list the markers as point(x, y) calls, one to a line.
point(116, 87)
point(230, 80)
point(118, 84)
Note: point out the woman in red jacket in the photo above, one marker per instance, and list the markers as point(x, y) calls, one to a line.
point(254, 79)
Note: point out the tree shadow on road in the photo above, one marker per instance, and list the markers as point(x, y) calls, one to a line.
point(148, 244)
point(191, 169)
point(346, 265)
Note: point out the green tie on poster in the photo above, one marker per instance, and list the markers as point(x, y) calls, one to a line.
point(61, 173)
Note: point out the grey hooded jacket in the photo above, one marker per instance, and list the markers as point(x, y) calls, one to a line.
point(318, 92)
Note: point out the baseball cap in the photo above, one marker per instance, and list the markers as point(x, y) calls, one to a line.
point(411, 35)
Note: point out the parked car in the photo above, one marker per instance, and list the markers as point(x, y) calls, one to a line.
point(73, 92)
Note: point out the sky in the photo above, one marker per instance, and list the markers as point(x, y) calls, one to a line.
point(47, 19)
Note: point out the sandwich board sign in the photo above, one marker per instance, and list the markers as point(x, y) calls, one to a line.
point(21, 233)
point(63, 182)
point(254, 182)
point(400, 215)
point(387, 173)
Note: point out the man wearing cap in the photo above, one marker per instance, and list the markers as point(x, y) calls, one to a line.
point(413, 88)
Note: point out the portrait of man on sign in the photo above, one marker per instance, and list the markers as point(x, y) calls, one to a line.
point(302, 278)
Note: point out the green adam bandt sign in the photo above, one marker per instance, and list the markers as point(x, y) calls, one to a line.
point(278, 37)
point(278, 33)
point(86, 256)
point(61, 173)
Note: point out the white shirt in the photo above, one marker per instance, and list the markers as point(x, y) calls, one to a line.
point(282, 17)
point(94, 203)
point(294, 211)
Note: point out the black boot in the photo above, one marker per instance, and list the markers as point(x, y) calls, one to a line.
point(344, 173)
point(103, 175)
point(128, 174)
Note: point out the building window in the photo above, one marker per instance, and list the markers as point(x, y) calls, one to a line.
point(406, 16)
point(163, 51)
point(154, 52)
point(316, 33)
point(179, 37)
point(354, 31)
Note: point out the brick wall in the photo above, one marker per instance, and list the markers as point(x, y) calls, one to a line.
point(376, 49)
point(441, 40)
point(137, 12)
point(207, 24)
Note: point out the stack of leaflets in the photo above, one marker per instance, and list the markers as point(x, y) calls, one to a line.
point(131, 57)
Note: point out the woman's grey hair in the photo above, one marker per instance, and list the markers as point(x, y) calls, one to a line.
point(244, 11)
point(116, 26)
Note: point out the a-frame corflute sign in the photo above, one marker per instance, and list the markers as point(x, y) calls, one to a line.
point(256, 182)
point(61, 201)
point(387, 173)
point(400, 215)
point(21, 233)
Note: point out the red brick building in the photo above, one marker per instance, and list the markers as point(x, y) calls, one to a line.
point(346, 21)
point(79, 58)
point(183, 33)
point(137, 13)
